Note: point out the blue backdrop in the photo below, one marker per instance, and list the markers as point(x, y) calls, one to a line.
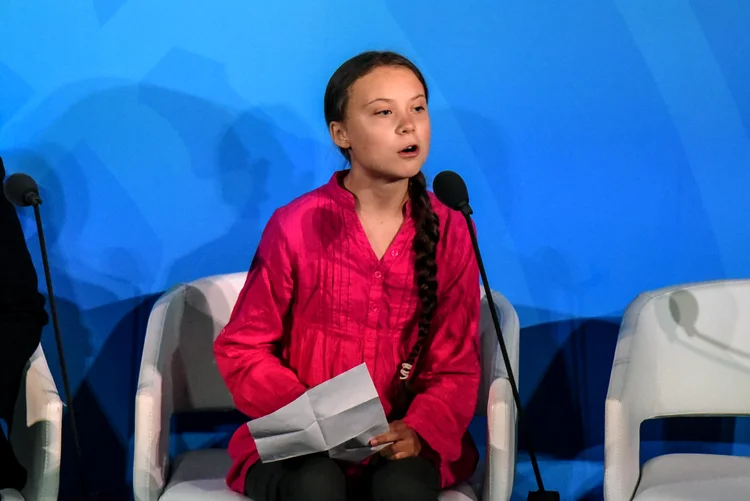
point(606, 146)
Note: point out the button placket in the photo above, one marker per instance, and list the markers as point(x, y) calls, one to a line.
point(375, 296)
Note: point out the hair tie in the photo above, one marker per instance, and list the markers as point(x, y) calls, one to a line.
point(405, 370)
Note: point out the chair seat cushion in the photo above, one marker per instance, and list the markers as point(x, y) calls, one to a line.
point(10, 495)
point(199, 476)
point(461, 492)
point(688, 477)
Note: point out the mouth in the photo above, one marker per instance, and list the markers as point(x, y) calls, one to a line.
point(410, 151)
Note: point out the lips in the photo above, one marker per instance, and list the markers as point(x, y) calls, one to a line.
point(410, 151)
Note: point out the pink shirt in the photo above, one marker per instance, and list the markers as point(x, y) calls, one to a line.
point(317, 302)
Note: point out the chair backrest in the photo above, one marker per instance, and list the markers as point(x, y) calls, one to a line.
point(688, 350)
point(493, 365)
point(193, 316)
point(195, 313)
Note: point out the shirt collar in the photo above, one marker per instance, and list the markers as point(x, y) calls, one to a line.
point(344, 197)
point(336, 190)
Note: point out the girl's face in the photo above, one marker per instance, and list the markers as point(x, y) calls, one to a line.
point(386, 124)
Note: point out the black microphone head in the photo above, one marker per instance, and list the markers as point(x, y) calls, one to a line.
point(21, 190)
point(450, 189)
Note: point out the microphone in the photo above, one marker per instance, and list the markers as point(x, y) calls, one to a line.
point(22, 191)
point(451, 190)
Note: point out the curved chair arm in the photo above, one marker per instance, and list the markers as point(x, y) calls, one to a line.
point(153, 401)
point(621, 427)
point(501, 442)
point(622, 450)
point(36, 436)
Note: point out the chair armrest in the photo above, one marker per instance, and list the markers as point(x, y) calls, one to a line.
point(154, 399)
point(621, 440)
point(501, 442)
point(629, 397)
point(36, 436)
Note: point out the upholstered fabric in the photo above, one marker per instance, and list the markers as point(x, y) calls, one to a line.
point(37, 430)
point(462, 492)
point(681, 350)
point(695, 477)
point(199, 475)
point(178, 373)
point(10, 495)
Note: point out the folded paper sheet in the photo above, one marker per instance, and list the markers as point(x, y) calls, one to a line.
point(339, 416)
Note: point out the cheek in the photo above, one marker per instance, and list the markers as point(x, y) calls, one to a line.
point(370, 138)
point(423, 126)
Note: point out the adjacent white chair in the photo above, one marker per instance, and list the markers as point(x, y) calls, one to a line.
point(682, 350)
point(36, 436)
point(178, 373)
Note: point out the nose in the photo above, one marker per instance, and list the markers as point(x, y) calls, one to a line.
point(406, 127)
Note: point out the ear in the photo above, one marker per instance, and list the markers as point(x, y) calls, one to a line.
point(339, 136)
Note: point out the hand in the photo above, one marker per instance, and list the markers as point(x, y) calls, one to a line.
point(406, 442)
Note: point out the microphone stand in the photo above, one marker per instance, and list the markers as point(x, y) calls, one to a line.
point(35, 201)
point(541, 494)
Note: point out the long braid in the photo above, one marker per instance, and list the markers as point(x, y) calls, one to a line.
point(425, 274)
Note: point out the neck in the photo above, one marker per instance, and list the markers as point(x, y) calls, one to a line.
point(376, 195)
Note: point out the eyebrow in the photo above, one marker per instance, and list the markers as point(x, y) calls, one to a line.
point(391, 100)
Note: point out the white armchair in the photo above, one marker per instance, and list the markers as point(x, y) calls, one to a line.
point(36, 435)
point(682, 350)
point(496, 400)
point(178, 373)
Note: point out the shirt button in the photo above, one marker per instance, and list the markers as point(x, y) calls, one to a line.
point(374, 307)
point(378, 274)
point(394, 253)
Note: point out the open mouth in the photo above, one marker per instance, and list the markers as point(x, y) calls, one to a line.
point(411, 150)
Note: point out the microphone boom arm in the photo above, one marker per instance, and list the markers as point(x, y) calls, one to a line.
point(56, 328)
point(541, 494)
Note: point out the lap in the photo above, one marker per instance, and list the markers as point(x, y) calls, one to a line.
point(413, 479)
point(316, 477)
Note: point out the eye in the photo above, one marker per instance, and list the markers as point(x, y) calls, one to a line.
point(383, 112)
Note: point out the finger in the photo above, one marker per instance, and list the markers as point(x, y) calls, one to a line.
point(397, 431)
point(398, 455)
point(387, 451)
point(391, 436)
point(395, 448)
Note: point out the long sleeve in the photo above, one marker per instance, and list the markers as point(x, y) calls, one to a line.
point(20, 300)
point(247, 349)
point(448, 377)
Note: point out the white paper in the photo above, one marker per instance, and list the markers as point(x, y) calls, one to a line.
point(339, 416)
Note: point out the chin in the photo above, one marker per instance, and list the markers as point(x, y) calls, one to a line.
point(411, 172)
point(405, 169)
point(398, 170)
point(399, 173)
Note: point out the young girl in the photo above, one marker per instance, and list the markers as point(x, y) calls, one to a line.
point(370, 268)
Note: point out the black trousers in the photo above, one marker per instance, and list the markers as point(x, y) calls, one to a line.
point(320, 478)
